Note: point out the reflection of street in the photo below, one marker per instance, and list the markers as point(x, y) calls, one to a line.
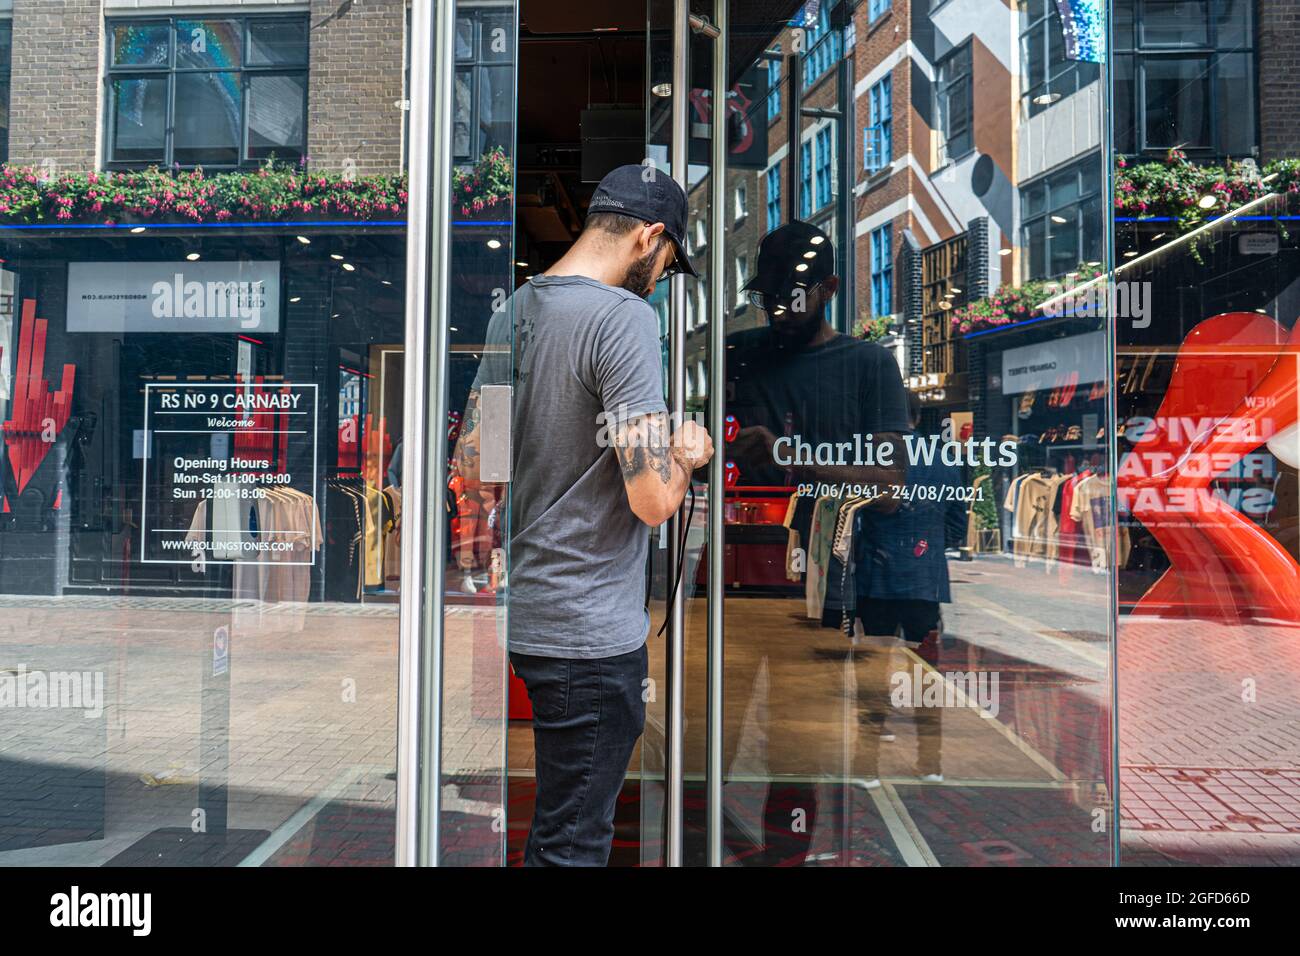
point(1209, 743)
point(310, 745)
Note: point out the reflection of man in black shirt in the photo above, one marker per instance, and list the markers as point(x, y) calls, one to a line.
point(809, 401)
point(797, 377)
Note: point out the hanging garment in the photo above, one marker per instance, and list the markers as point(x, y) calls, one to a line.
point(821, 535)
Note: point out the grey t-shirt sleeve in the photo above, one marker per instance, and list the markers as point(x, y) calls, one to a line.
point(627, 362)
point(495, 367)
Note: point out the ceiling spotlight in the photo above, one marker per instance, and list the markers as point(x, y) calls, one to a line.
point(1130, 254)
point(1158, 236)
point(193, 257)
point(304, 240)
point(386, 282)
point(1004, 252)
point(810, 254)
point(521, 264)
point(494, 243)
point(1208, 201)
point(945, 304)
point(138, 229)
point(662, 89)
point(801, 267)
point(817, 240)
point(955, 289)
point(296, 298)
point(1059, 220)
point(1046, 99)
point(336, 257)
point(349, 267)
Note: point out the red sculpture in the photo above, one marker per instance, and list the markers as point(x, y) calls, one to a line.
point(37, 414)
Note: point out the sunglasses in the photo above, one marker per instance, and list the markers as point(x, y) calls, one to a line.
point(771, 301)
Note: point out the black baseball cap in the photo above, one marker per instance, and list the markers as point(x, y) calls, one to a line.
point(782, 251)
point(648, 194)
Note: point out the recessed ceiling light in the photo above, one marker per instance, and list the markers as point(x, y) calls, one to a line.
point(1130, 254)
point(817, 240)
point(296, 298)
point(1208, 201)
point(955, 289)
point(801, 267)
point(385, 281)
point(1059, 220)
point(1046, 99)
point(522, 265)
point(662, 89)
point(494, 243)
point(349, 267)
point(1004, 252)
point(138, 229)
point(336, 257)
point(810, 254)
point(304, 240)
point(193, 257)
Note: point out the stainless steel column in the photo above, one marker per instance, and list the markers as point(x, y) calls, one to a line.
point(717, 412)
point(424, 435)
point(676, 671)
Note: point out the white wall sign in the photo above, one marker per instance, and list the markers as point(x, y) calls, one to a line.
point(1077, 360)
point(174, 296)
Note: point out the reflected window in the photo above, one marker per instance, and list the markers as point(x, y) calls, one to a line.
point(879, 145)
point(954, 105)
point(825, 155)
point(805, 180)
point(220, 93)
point(774, 85)
point(823, 44)
point(1049, 74)
point(1180, 67)
point(1062, 225)
point(876, 9)
point(774, 196)
point(484, 95)
point(882, 270)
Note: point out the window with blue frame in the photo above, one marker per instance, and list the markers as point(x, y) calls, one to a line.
point(824, 156)
point(878, 149)
point(774, 86)
point(876, 9)
point(823, 46)
point(882, 270)
point(805, 181)
point(774, 197)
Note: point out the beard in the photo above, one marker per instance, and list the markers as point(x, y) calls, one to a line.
point(640, 278)
point(796, 331)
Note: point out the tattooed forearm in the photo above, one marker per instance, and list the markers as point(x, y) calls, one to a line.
point(642, 445)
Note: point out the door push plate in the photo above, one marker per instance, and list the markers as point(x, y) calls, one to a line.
point(494, 439)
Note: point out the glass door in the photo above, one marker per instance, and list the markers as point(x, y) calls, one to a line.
point(918, 538)
point(203, 325)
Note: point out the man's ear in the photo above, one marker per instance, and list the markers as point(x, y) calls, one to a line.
point(649, 238)
point(831, 284)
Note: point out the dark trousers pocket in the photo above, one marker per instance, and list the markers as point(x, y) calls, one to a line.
point(547, 680)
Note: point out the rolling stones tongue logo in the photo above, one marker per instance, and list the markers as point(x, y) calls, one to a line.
point(922, 546)
point(38, 414)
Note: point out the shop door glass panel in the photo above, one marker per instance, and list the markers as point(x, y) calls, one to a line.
point(919, 538)
point(478, 692)
point(201, 376)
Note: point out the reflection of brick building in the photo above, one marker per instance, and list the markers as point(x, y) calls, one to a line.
point(353, 107)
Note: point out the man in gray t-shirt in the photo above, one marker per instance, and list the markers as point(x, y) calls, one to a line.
point(595, 466)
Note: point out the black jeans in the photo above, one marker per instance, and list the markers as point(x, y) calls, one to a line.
point(587, 717)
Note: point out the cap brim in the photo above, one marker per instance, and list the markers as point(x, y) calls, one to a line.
point(682, 259)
